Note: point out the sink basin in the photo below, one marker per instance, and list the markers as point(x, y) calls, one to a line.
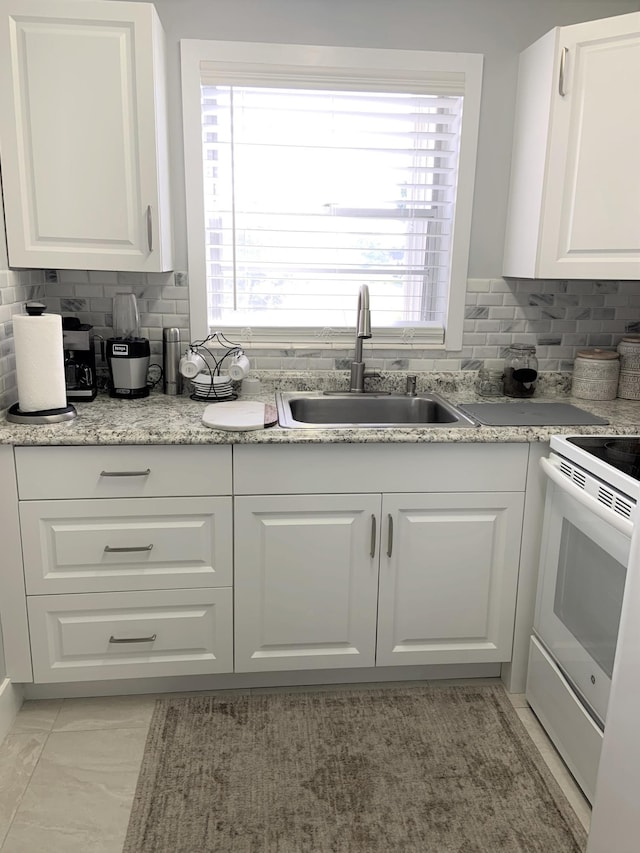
point(313, 410)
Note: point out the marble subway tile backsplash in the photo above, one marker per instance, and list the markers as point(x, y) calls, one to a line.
point(16, 288)
point(558, 317)
point(89, 296)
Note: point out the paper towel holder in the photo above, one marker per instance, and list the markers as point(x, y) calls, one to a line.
point(44, 416)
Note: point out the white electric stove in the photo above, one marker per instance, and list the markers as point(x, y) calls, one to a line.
point(592, 492)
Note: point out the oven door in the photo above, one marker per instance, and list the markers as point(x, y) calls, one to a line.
point(583, 560)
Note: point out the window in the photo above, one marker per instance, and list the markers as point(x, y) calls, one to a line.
point(313, 170)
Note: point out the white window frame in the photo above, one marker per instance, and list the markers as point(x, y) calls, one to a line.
point(247, 63)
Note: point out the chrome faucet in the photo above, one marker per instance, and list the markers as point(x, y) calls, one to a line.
point(363, 330)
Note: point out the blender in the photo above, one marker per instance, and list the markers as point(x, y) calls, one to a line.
point(127, 353)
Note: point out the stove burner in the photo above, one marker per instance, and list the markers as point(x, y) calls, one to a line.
point(626, 450)
point(621, 453)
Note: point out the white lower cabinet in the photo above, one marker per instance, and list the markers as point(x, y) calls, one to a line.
point(128, 560)
point(318, 577)
point(448, 577)
point(146, 562)
point(130, 634)
point(306, 578)
point(359, 579)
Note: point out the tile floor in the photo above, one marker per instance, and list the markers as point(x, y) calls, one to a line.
point(68, 772)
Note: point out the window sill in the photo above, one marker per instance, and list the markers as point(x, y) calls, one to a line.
point(335, 339)
point(370, 343)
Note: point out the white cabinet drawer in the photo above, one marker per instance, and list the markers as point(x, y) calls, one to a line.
point(349, 468)
point(115, 545)
point(122, 472)
point(130, 634)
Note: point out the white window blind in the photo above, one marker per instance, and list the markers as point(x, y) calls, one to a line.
point(309, 193)
point(311, 169)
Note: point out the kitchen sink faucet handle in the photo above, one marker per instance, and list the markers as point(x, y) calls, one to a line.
point(411, 386)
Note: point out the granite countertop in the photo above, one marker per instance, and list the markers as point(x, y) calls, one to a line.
point(160, 419)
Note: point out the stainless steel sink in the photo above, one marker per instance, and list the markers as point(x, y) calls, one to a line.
point(314, 410)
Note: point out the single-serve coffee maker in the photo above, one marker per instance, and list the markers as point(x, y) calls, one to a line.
point(127, 353)
point(79, 360)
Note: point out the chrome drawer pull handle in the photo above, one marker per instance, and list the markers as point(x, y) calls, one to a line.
point(372, 550)
point(563, 70)
point(109, 550)
point(149, 228)
point(125, 473)
point(150, 639)
point(390, 536)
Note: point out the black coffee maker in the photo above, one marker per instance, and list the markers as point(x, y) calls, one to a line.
point(79, 360)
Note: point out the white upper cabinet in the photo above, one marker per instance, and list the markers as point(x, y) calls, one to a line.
point(83, 135)
point(574, 209)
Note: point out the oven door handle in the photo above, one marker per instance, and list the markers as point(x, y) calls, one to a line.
point(621, 524)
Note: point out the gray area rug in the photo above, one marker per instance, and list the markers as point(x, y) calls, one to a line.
point(427, 769)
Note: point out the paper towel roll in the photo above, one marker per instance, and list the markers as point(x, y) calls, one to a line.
point(39, 362)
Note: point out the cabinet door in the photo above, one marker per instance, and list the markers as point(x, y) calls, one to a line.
point(306, 576)
point(448, 577)
point(84, 166)
point(591, 217)
point(574, 202)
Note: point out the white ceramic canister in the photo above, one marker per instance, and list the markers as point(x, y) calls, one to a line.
point(595, 374)
point(629, 381)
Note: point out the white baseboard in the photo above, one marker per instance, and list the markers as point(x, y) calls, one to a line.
point(11, 696)
point(243, 681)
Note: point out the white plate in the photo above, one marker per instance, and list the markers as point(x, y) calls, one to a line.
point(212, 394)
point(206, 379)
point(214, 389)
point(206, 386)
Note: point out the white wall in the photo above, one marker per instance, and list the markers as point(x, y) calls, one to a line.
point(499, 29)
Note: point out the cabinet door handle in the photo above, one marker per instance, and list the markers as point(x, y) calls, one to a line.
point(149, 228)
point(125, 473)
point(109, 550)
point(374, 526)
point(389, 535)
point(563, 68)
point(150, 639)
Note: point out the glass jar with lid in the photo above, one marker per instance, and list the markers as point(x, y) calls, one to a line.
point(520, 370)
